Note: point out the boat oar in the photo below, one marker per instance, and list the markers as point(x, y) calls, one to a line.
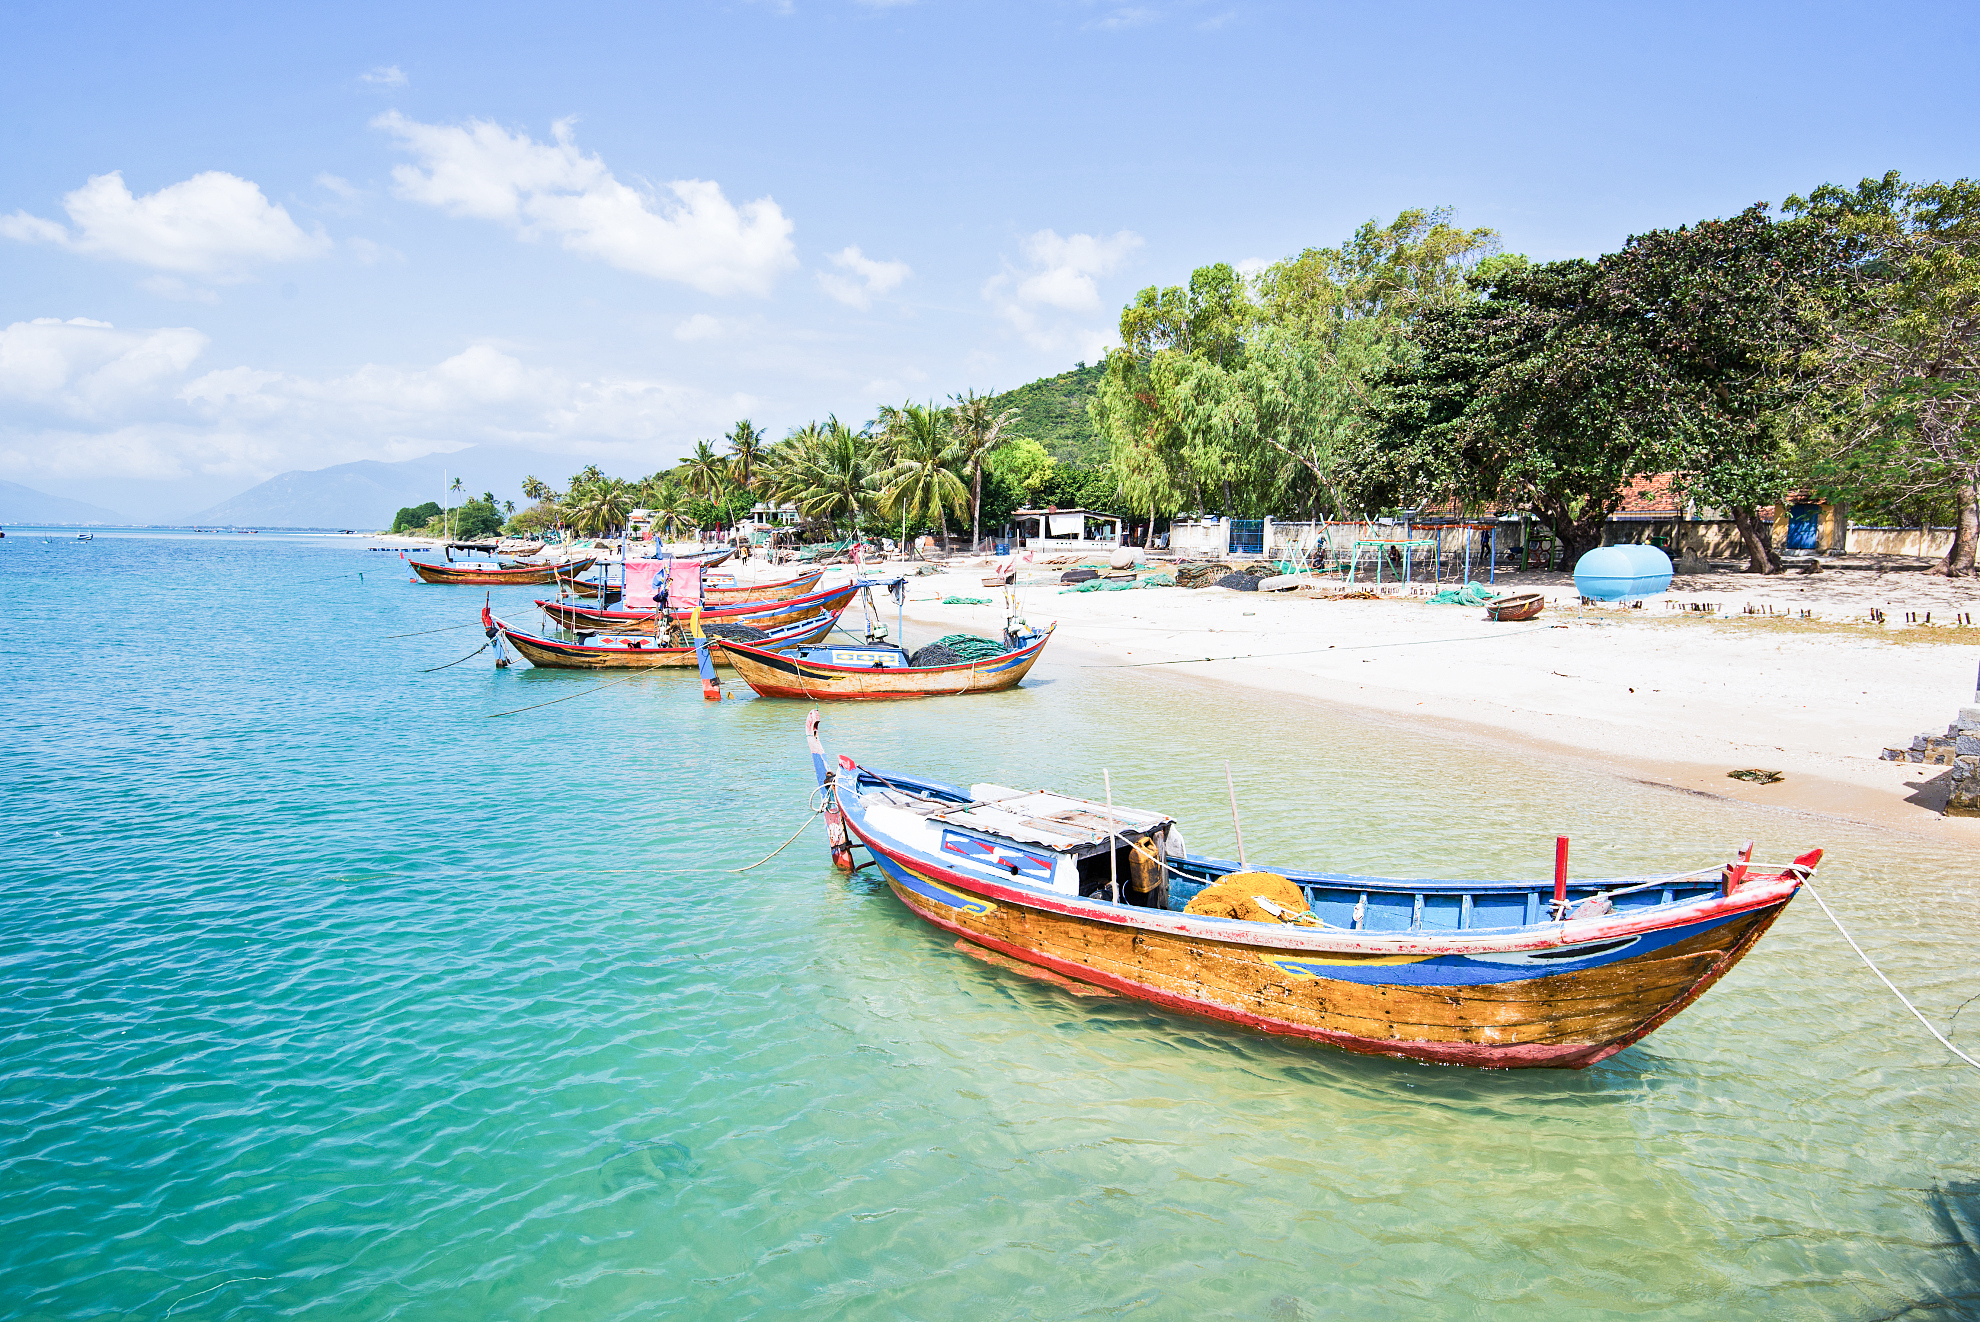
point(1236, 825)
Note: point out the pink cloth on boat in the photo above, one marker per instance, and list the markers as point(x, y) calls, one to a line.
point(643, 584)
point(684, 584)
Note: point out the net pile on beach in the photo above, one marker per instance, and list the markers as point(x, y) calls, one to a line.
point(1202, 574)
point(1218, 574)
point(965, 601)
point(1122, 584)
point(1471, 594)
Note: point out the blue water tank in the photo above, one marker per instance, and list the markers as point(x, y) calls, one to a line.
point(1618, 573)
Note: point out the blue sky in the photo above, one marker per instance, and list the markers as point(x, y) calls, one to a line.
point(236, 240)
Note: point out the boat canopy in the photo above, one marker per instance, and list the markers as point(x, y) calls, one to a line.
point(1055, 821)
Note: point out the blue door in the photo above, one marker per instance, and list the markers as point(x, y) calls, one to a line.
point(1803, 523)
point(1247, 537)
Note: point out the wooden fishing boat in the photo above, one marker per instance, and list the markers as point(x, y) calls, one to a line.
point(741, 594)
point(1524, 606)
point(874, 671)
point(758, 614)
point(1484, 973)
point(490, 574)
point(643, 653)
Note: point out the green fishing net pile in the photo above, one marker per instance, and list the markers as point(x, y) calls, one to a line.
point(1471, 594)
point(1123, 584)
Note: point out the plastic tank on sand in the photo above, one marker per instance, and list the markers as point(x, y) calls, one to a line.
point(1618, 573)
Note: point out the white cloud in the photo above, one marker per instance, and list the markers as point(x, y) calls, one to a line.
point(866, 279)
point(85, 370)
point(339, 185)
point(1251, 266)
point(698, 237)
point(1060, 276)
point(385, 75)
point(215, 225)
point(1125, 16)
point(700, 326)
point(85, 400)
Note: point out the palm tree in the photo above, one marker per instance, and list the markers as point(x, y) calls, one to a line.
point(978, 431)
point(826, 471)
point(602, 506)
point(919, 482)
point(745, 445)
point(703, 473)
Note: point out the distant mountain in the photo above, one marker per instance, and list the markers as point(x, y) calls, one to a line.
point(1052, 411)
point(366, 494)
point(19, 504)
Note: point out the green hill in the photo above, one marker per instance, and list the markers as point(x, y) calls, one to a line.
point(1052, 411)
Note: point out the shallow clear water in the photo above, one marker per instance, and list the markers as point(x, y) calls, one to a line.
point(324, 995)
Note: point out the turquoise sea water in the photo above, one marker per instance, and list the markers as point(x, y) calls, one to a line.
point(323, 995)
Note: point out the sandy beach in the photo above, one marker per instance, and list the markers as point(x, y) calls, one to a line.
point(1665, 694)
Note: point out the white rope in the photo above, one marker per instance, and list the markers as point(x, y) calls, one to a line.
point(1810, 886)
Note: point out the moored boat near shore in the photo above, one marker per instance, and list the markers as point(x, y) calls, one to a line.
point(875, 671)
point(490, 574)
point(758, 614)
point(1484, 973)
point(636, 652)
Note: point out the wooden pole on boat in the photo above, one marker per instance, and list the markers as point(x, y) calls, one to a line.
point(1560, 871)
point(1113, 853)
point(1236, 825)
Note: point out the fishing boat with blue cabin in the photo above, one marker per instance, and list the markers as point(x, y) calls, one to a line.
point(1497, 974)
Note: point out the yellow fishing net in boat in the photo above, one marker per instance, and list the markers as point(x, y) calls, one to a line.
point(1237, 896)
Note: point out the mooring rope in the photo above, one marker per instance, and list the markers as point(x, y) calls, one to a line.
point(1943, 1041)
point(451, 664)
point(808, 818)
point(643, 670)
point(417, 633)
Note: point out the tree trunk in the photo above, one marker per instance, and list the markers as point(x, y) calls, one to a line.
point(1760, 555)
point(976, 507)
point(1959, 561)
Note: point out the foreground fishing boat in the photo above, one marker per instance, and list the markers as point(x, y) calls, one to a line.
point(758, 614)
point(876, 670)
point(641, 653)
point(492, 574)
point(1499, 974)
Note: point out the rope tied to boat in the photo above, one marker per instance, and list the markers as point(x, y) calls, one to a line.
point(451, 664)
point(1809, 885)
point(809, 817)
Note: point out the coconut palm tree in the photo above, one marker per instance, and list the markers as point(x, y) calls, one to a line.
point(745, 449)
point(920, 482)
point(703, 473)
point(453, 490)
point(603, 506)
point(979, 429)
point(825, 471)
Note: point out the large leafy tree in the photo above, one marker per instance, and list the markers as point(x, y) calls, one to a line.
point(1904, 345)
point(1255, 394)
point(1724, 317)
point(1532, 394)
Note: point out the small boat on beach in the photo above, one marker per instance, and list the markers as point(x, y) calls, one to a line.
point(1497, 974)
point(635, 652)
point(491, 574)
point(716, 595)
point(877, 670)
point(758, 614)
point(1524, 606)
point(588, 589)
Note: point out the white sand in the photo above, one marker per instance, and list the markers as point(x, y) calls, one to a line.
point(1676, 699)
